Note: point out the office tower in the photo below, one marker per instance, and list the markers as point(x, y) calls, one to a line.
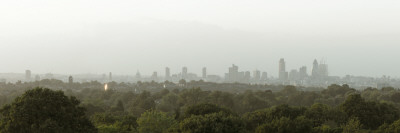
point(323, 70)
point(27, 75)
point(167, 73)
point(247, 76)
point(283, 75)
point(293, 75)
point(154, 76)
point(256, 75)
point(233, 74)
point(204, 73)
point(315, 69)
point(303, 72)
point(70, 80)
point(184, 72)
point(264, 76)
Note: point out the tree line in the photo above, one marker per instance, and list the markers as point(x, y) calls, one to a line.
point(188, 108)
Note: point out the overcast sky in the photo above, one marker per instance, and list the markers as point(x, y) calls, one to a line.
point(356, 37)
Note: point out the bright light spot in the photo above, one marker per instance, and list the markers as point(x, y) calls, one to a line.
point(105, 87)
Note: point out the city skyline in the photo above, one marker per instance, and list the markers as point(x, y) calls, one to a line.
point(302, 70)
point(307, 69)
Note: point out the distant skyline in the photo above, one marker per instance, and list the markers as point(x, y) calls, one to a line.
point(358, 37)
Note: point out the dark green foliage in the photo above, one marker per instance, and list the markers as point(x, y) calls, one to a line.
point(107, 122)
point(392, 128)
point(334, 90)
point(212, 123)
point(154, 122)
point(44, 111)
point(248, 106)
point(286, 125)
point(370, 114)
point(205, 108)
point(319, 113)
point(259, 117)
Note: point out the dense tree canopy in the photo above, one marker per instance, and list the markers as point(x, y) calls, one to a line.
point(44, 111)
point(196, 106)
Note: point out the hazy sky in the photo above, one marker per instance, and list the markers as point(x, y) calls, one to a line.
point(357, 37)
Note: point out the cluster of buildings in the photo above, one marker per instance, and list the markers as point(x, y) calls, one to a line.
point(319, 76)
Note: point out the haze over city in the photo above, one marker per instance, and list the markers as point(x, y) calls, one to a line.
point(73, 37)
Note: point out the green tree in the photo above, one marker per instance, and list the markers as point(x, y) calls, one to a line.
point(212, 123)
point(42, 110)
point(205, 108)
point(352, 126)
point(392, 128)
point(154, 122)
point(370, 114)
point(286, 125)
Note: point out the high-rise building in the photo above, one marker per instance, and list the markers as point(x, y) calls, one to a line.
point(247, 76)
point(293, 75)
point(264, 76)
point(154, 76)
point(283, 75)
point(204, 76)
point(256, 75)
point(70, 80)
point(323, 70)
point(233, 73)
point(303, 72)
point(28, 75)
point(184, 72)
point(167, 73)
point(315, 69)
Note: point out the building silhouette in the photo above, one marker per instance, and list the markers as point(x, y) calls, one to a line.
point(184, 72)
point(256, 75)
point(27, 75)
point(264, 76)
point(283, 75)
point(303, 72)
point(315, 69)
point(167, 73)
point(234, 75)
point(204, 71)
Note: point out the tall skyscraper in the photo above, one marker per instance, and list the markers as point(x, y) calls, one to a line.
point(323, 70)
point(283, 75)
point(167, 73)
point(154, 76)
point(256, 75)
point(247, 76)
point(204, 73)
point(184, 72)
point(315, 69)
point(303, 72)
point(264, 76)
point(234, 75)
point(293, 75)
point(28, 75)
